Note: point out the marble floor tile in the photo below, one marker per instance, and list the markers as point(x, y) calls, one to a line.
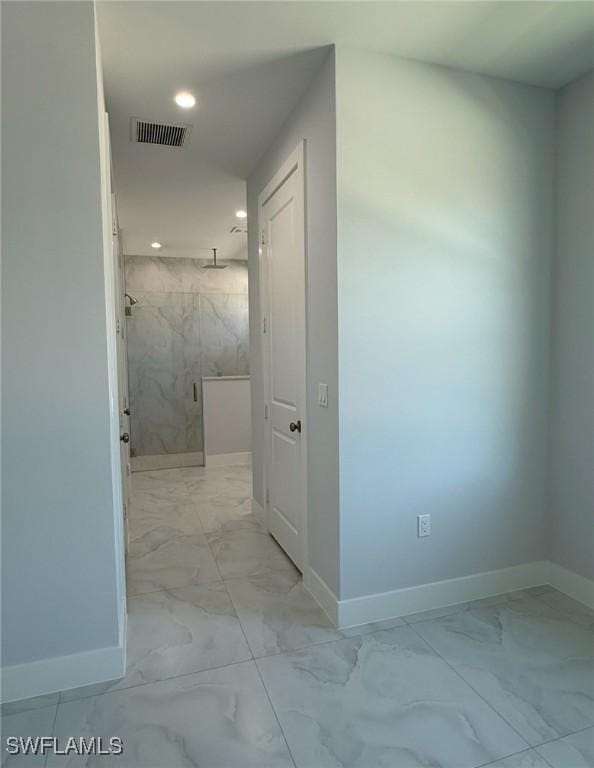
point(217, 515)
point(529, 662)
point(25, 705)
point(216, 719)
point(247, 552)
point(574, 751)
point(449, 610)
point(171, 563)
point(575, 611)
point(175, 633)
point(528, 759)
point(204, 483)
point(147, 529)
point(373, 626)
point(224, 492)
point(383, 699)
point(158, 498)
point(157, 478)
point(34, 722)
point(278, 614)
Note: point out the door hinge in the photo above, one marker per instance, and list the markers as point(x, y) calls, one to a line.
point(264, 325)
point(266, 412)
point(118, 327)
point(263, 238)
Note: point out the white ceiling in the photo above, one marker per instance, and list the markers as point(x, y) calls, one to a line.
point(248, 64)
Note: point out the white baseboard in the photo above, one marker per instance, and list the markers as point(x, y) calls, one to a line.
point(36, 678)
point(572, 584)
point(166, 461)
point(259, 513)
point(243, 459)
point(322, 594)
point(400, 602)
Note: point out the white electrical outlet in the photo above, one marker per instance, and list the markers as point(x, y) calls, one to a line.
point(423, 525)
point(323, 395)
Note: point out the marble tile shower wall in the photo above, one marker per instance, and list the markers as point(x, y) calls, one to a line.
point(189, 322)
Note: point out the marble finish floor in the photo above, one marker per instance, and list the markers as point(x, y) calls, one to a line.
point(231, 663)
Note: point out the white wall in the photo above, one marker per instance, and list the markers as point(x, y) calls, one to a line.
point(226, 402)
point(571, 528)
point(445, 213)
point(61, 607)
point(312, 120)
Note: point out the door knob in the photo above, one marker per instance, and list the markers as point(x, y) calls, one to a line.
point(295, 426)
point(127, 411)
point(125, 438)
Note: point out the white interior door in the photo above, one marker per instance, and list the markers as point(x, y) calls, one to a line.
point(282, 237)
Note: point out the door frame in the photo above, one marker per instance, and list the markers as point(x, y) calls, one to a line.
point(294, 164)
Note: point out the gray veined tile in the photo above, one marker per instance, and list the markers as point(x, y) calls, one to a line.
point(383, 699)
point(575, 751)
point(221, 486)
point(172, 563)
point(528, 759)
point(219, 515)
point(175, 633)
point(183, 275)
point(35, 722)
point(216, 719)
point(24, 705)
point(157, 478)
point(449, 610)
point(242, 551)
point(148, 528)
point(224, 334)
point(528, 661)
point(373, 626)
point(153, 494)
point(278, 614)
point(574, 610)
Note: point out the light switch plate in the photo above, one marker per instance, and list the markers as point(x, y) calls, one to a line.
point(323, 395)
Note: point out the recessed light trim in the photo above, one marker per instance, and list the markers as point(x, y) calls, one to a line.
point(241, 214)
point(156, 245)
point(185, 99)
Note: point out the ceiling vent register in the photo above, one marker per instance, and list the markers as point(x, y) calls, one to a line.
point(144, 132)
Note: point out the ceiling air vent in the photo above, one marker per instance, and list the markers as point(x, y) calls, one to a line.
point(144, 132)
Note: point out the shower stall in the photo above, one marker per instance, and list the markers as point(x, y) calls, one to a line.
point(187, 322)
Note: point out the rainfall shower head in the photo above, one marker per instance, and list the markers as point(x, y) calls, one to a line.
point(214, 264)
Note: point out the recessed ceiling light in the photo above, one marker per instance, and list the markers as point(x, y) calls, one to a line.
point(185, 99)
point(241, 214)
point(156, 245)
